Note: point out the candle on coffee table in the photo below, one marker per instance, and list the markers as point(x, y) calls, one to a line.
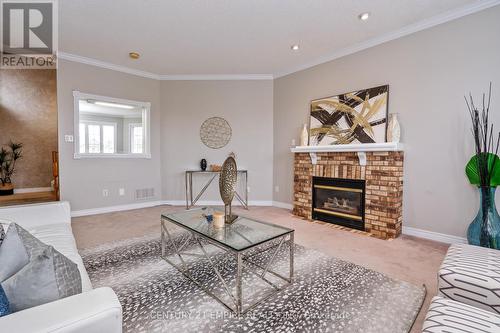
point(218, 220)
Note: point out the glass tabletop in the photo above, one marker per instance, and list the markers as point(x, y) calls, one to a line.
point(242, 234)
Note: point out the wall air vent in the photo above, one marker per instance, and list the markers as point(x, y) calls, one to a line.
point(144, 193)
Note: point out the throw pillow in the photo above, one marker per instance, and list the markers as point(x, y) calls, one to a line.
point(65, 274)
point(13, 254)
point(4, 224)
point(2, 234)
point(4, 303)
point(34, 284)
point(69, 281)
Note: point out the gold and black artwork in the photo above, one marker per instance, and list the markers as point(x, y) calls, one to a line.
point(355, 117)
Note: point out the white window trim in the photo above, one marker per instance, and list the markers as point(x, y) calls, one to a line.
point(146, 111)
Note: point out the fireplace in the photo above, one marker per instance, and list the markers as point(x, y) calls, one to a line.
point(383, 179)
point(339, 201)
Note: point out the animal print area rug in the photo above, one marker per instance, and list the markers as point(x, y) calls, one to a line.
point(327, 295)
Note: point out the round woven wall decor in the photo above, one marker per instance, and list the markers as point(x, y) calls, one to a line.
point(215, 132)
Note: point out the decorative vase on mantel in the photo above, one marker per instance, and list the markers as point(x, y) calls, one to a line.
point(485, 228)
point(393, 129)
point(304, 136)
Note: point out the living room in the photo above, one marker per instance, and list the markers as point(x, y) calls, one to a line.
point(249, 166)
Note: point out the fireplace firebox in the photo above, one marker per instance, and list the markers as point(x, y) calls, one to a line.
point(339, 201)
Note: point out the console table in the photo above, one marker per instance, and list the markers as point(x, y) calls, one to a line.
point(190, 202)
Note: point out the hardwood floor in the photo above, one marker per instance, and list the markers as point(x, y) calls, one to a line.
point(27, 198)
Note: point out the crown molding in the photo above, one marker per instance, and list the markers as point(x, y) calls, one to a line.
point(216, 77)
point(149, 75)
point(106, 65)
point(405, 31)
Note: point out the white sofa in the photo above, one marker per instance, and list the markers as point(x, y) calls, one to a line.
point(92, 311)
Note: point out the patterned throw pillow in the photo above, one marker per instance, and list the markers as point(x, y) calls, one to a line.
point(2, 234)
point(34, 284)
point(41, 261)
point(68, 279)
point(4, 225)
point(13, 254)
point(4, 303)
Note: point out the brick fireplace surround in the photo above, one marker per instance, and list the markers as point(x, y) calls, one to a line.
point(383, 174)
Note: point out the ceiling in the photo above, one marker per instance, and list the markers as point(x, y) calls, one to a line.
point(234, 37)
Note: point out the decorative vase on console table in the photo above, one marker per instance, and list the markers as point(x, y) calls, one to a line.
point(203, 164)
point(483, 171)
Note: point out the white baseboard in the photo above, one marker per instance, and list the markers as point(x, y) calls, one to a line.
point(32, 189)
point(282, 205)
point(217, 203)
point(435, 236)
point(110, 209)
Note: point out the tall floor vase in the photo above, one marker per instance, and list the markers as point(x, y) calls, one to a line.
point(485, 229)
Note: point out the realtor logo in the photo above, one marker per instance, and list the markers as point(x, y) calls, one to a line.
point(28, 34)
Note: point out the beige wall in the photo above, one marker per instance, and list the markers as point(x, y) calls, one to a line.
point(428, 73)
point(28, 114)
point(83, 180)
point(246, 105)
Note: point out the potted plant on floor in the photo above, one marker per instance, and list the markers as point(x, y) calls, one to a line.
point(8, 157)
point(483, 171)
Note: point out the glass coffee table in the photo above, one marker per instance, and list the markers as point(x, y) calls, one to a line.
point(242, 240)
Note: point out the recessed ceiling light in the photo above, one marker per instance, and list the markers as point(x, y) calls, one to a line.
point(134, 55)
point(364, 16)
point(295, 47)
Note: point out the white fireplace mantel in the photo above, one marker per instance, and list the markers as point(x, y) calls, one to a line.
point(360, 149)
point(363, 147)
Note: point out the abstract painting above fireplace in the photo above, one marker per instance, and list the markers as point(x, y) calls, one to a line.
point(339, 201)
point(355, 117)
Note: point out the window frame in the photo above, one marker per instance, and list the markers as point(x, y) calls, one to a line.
point(101, 125)
point(146, 111)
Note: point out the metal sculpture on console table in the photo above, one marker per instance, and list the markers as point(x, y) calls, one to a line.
point(227, 187)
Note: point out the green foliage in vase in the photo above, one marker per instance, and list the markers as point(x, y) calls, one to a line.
point(483, 169)
point(472, 172)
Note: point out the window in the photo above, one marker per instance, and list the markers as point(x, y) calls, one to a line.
point(111, 127)
point(90, 135)
point(136, 138)
point(94, 139)
point(108, 139)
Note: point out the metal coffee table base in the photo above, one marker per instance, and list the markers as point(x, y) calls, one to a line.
point(242, 263)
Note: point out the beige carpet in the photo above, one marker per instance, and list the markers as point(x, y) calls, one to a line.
point(407, 258)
